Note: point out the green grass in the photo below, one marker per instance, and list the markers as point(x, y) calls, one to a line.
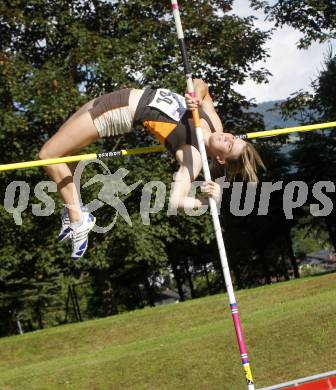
point(289, 327)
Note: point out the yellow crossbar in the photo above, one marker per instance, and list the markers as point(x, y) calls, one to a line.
point(50, 161)
point(298, 129)
point(81, 157)
point(159, 148)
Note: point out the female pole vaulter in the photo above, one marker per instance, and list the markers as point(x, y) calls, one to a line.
point(167, 116)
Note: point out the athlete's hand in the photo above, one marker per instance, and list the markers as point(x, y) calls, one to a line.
point(192, 103)
point(212, 189)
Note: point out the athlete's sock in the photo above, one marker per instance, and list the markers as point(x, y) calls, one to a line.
point(77, 224)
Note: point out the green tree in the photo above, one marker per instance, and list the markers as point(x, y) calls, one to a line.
point(317, 107)
point(315, 19)
point(314, 157)
point(56, 55)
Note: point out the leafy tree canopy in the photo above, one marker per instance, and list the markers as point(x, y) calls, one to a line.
point(315, 19)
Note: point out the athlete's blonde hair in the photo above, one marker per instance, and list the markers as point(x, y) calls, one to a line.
point(245, 166)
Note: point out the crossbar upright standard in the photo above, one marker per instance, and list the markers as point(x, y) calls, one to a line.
point(213, 206)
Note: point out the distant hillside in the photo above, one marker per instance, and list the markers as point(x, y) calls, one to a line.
point(272, 116)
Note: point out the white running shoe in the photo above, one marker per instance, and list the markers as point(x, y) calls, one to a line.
point(79, 235)
point(65, 232)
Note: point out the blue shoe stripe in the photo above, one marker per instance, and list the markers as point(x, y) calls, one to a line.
point(78, 254)
point(84, 245)
point(63, 234)
point(80, 237)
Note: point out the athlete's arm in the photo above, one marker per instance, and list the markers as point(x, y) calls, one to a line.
point(190, 167)
point(201, 90)
point(204, 100)
point(209, 108)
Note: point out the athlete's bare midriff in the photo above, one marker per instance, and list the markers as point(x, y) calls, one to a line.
point(134, 98)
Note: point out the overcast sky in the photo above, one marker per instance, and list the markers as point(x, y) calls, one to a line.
point(292, 69)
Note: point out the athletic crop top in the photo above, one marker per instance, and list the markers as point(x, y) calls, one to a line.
point(171, 132)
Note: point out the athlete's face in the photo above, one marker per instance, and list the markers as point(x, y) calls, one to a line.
point(226, 146)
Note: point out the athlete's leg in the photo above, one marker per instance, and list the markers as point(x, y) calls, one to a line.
point(76, 133)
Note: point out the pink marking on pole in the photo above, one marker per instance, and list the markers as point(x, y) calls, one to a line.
point(239, 333)
point(174, 6)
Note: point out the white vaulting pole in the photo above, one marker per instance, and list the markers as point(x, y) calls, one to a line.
point(213, 206)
